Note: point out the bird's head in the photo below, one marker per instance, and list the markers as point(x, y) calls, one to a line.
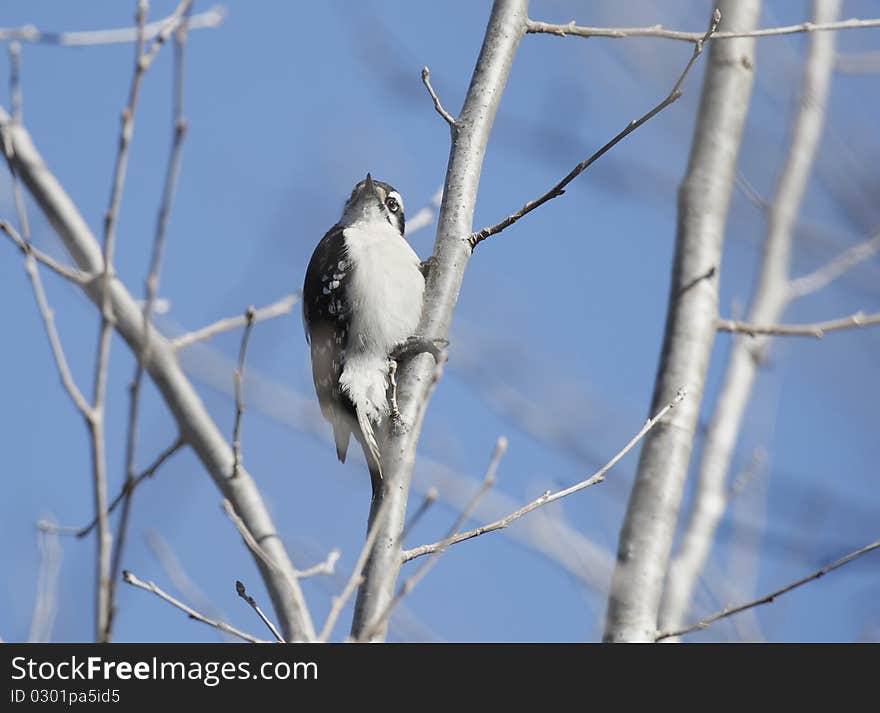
point(374, 201)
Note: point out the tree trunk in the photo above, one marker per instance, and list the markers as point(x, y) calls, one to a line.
point(703, 199)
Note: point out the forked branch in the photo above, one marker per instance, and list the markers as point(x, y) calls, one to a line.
point(476, 238)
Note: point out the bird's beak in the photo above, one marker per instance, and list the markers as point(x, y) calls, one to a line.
point(369, 188)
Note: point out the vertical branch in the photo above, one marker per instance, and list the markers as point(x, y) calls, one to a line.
point(646, 536)
point(239, 395)
point(96, 423)
point(409, 584)
point(151, 287)
point(470, 134)
point(769, 300)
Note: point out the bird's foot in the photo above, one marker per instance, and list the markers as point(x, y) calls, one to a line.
point(418, 345)
point(427, 265)
point(398, 426)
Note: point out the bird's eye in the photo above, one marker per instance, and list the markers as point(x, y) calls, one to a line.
point(392, 204)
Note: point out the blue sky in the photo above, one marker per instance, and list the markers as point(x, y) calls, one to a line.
point(554, 343)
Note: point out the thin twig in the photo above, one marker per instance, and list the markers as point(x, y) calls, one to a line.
point(276, 309)
point(426, 80)
point(204, 20)
point(338, 602)
point(751, 193)
point(429, 499)
point(130, 578)
point(476, 238)
point(328, 566)
point(239, 396)
point(247, 535)
point(171, 25)
point(410, 582)
point(242, 592)
point(151, 286)
point(817, 329)
point(69, 273)
point(820, 278)
point(547, 497)
point(46, 313)
point(325, 567)
point(730, 611)
point(105, 586)
point(31, 255)
point(127, 488)
point(534, 27)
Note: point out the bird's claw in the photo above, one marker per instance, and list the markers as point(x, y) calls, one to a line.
point(427, 265)
point(435, 346)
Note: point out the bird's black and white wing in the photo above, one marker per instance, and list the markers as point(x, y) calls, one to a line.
point(327, 318)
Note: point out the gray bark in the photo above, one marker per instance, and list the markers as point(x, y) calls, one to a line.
point(769, 301)
point(196, 425)
point(506, 27)
point(649, 526)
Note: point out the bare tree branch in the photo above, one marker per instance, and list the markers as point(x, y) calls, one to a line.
point(239, 396)
point(242, 592)
point(547, 497)
point(415, 377)
point(550, 537)
point(337, 603)
point(426, 80)
point(26, 248)
point(730, 611)
point(817, 329)
point(130, 578)
point(104, 586)
point(429, 499)
point(410, 582)
point(476, 238)
point(46, 313)
point(328, 566)
point(834, 268)
point(203, 20)
point(248, 537)
point(151, 287)
point(768, 303)
point(703, 200)
point(574, 30)
point(193, 420)
point(276, 309)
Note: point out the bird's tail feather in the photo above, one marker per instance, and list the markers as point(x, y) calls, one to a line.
point(371, 450)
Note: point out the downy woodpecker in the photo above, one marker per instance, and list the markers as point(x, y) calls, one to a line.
point(362, 299)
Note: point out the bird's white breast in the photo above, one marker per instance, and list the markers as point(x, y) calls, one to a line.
point(386, 287)
point(385, 294)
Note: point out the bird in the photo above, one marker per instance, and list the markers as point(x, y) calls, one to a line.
point(361, 300)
